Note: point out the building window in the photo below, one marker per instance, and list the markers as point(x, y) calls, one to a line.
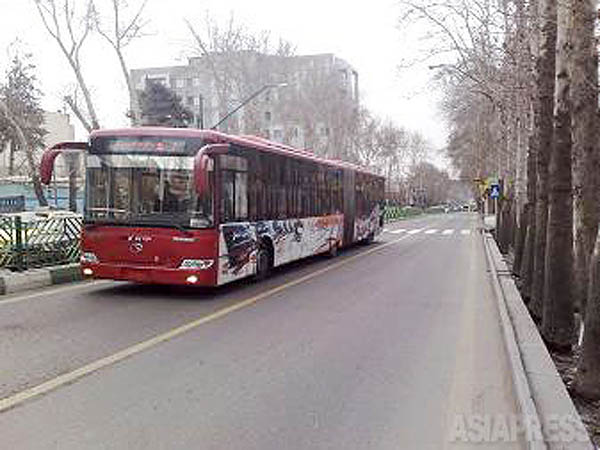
point(188, 82)
point(159, 80)
point(295, 132)
point(190, 100)
point(196, 101)
point(277, 134)
point(179, 83)
point(268, 116)
point(196, 81)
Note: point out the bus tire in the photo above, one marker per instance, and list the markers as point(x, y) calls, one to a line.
point(263, 263)
point(369, 239)
point(333, 250)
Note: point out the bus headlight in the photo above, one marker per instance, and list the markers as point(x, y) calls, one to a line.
point(198, 264)
point(89, 258)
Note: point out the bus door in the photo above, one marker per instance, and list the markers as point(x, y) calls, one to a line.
point(348, 182)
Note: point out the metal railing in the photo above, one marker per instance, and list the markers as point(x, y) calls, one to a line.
point(39, 242)
point(392, 213)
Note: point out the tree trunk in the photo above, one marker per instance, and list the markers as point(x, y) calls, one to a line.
point(545, 84)
point(526, 269)
point(71, 161)
point(133, 94)
point(584, 94)
point(527, 261)
point(558, 319)
point(520, 239)
point(11, 158)
point(587, 378)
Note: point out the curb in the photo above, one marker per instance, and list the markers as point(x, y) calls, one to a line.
point(542, 397)
point(11, 282)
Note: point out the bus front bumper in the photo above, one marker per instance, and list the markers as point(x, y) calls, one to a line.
point(150, 275)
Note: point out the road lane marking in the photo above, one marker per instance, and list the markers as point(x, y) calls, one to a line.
point(432, 231)
point(401, 230)
point(70, 377)
point(418, 230)
point(448, 231)
point(465, 232)
point(45, 292)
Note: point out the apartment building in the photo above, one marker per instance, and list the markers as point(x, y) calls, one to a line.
point(59, 128)
point(306, 96)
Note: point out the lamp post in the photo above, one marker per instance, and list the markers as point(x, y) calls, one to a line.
point(200, 115)
point(246, 101)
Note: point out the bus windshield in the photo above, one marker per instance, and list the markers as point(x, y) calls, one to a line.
point(146, 190)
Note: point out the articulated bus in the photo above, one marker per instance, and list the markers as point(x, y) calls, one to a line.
point(199, 207)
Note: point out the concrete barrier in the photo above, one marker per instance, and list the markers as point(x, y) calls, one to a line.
point(11, 282)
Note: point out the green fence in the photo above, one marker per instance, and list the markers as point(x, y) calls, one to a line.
point(39, 242)
point(392, 213)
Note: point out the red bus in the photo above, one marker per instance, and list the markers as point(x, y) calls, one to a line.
point(196, 207)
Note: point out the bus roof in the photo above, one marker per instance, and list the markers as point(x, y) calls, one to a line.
point(216, 137)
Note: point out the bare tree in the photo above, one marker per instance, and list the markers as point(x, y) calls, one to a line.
point(71, 29)
point(240, 62)
point(121, 32)
point(587, 379)
point(18, 128)
point(22, 118)
point(557, 324)
point(585, 184)
point(544, 91)
point(584, 94)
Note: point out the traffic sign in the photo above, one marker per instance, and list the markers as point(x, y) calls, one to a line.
point(495, 191)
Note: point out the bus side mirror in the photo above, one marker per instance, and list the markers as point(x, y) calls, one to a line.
point(202, 165)
point(47, 163)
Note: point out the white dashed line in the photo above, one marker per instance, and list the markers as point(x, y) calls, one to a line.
point(401, 230)
point(432, 231)
point(418, 230)
point(465, 232)
point(448, 231)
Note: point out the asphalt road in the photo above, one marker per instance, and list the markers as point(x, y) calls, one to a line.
point(382, 347)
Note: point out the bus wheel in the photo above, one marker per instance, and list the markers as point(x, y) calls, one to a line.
point(263, 264)
point(369, 239)
point(333, 250)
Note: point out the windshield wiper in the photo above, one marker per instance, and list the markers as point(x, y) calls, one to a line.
point(182, 229)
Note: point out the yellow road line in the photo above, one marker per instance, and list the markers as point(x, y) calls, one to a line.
point(69, 377)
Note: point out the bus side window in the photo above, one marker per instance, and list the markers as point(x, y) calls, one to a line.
point(234, 192)
point(241, 195)
point(227, 196)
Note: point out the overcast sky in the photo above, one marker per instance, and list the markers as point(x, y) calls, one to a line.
point(364, 33)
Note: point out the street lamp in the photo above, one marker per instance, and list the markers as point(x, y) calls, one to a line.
point(247, 100)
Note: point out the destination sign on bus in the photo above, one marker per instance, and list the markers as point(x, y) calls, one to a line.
point(121, 145)
point(146, 144)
